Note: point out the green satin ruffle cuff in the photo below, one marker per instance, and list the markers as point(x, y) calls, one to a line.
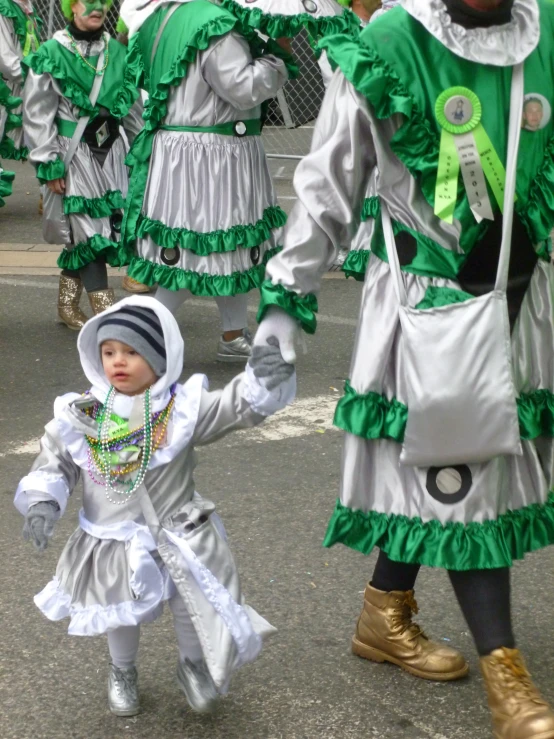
point(452, 546)
point(302, 308)
point(47, 171)
point(102, 207)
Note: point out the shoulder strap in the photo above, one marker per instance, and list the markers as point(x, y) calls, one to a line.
point(161, 29)
point(93, 97)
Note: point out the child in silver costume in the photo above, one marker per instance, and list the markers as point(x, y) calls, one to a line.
point(131, 438)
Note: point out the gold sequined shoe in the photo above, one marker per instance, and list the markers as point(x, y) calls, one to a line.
point(134, 286)
point(101, 299)
point(386, 633)
point(518, 709)
point(69, 294)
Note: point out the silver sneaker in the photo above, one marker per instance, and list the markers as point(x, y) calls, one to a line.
point(123, 697)
point(196, 683)
point(237, 350)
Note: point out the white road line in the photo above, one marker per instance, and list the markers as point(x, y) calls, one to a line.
point(196, 302)
point(308, 416)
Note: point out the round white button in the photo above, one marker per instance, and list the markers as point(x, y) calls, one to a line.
point(240, 128)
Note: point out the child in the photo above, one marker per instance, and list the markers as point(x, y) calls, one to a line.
point(132, 437)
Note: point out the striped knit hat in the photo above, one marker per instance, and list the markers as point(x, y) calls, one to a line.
point(140, 329)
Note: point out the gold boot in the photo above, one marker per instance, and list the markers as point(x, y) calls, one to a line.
point(517, 708)
point(133, 286)
point(69, 294)
point(101, 299)
point(385, 633)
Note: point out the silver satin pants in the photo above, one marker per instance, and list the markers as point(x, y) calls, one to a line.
point(123, 643)
point(232, 309)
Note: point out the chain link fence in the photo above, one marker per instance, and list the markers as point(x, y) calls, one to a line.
point(290, 118)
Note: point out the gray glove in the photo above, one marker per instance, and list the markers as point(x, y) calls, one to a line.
point(39, 523)
point(268, 365)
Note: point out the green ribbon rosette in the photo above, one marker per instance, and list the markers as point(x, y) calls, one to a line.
point(31, 38)
point(466, 146)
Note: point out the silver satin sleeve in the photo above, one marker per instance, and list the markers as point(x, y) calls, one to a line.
point(222, 411)
point(133, 123)
point(228, 68)
point(330, 184)
point(40, 107)
point(10, 53)
point(52, 466)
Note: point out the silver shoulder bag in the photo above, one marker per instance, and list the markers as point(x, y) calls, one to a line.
point(457, 358)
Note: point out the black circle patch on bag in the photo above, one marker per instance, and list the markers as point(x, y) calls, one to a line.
point(449, 485)
point(309, 6)
point(255, 255)
point(170, 255)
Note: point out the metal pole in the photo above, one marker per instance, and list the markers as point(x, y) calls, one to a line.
point(50, 24)
point(284, 156)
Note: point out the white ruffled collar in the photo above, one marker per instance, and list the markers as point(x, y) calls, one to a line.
point(500, 46)
point(73, 425)
point(92, 48)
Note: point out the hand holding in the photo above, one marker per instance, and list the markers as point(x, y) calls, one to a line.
point(57, 186)
point(268, 365)
point(278, 325)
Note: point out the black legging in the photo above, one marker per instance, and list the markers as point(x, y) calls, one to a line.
point(483, 595)
point(94, 276)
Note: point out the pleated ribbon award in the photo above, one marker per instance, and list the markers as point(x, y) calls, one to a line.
point(466, 146)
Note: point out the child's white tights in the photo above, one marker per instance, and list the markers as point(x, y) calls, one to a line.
point(123, 643)
point(232, 309)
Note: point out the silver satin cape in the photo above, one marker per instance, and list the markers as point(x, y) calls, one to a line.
point(43, 102)
point(350, 143)
point(209, 183)
point(110, 573)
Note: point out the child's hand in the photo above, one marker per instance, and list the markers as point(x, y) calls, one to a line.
point(268, 365)
point(39, 523)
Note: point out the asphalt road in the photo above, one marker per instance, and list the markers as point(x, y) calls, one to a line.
point(275, 488)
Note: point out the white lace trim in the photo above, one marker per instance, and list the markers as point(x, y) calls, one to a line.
point(183, 422)
point(500, 46)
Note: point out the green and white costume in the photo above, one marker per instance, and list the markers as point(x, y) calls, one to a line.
point(202, 213)
point(56, 95)
point(19, 35)
point(380, 112)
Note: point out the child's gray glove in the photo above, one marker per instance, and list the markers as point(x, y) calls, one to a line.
point(39, 523)
point(268, 365)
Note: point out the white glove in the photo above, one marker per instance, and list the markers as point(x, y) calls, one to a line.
point(285, 329)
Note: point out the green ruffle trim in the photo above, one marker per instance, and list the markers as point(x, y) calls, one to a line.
point(41, 63)
point(174, 278)
point(287, 26)
point(103, 207)
point(538, 214)
point(9, 151)
point(88, 251)
point(355, 264)
point(303, 308)
point(453, 546)
point(11, 10)
point(48, 171)
point(371, 416)
point(374, 416)
point(204, 244)
point(371, 208)
point(6, 180)
point(7, 100)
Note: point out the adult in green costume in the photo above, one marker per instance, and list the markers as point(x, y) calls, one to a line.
point(84, 194)
point(19, 36)
point(392, 108)
point(202, 214)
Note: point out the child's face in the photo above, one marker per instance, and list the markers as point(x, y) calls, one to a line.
point(125, 369)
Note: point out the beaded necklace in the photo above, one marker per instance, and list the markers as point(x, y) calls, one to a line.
point(100, 451)
point(75, 48)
